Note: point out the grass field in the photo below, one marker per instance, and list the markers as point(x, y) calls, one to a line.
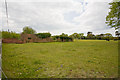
point(78, 59)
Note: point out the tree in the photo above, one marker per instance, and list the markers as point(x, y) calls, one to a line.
point(64, 35)
point(80, 35)
point(108, 36)
point(117, 33)
point(98, 36)
point(102, 36)
point(43, 35)
point(77, 35)
point(74, 36)
point(113, 16)
point(28, 30)
point(90, 35)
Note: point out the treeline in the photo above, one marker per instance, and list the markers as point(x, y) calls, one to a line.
point(90, 35)
point(6, 34)
point(43, 35)
point(62, 37)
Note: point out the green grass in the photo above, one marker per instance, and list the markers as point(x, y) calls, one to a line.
point(78, 59)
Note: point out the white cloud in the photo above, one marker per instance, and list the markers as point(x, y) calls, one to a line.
point(98, 0)
point(59, 0)
point(49, 16)
point(94, 17)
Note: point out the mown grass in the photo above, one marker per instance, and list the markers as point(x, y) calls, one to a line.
point(78, 59)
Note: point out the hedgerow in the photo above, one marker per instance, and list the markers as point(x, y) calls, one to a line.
point(6, 34)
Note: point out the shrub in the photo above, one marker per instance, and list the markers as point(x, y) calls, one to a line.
point(6, 34)
point(62, 38)
point(43, 35)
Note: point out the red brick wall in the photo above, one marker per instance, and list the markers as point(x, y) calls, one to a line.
point(46, 40)
point(9, 40)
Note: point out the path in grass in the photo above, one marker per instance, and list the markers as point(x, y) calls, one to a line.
point(61, 59)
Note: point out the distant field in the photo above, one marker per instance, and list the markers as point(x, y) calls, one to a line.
point(78, 59)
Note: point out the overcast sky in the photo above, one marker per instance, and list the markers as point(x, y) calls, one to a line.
point(57, 16)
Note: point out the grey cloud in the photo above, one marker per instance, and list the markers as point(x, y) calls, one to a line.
point(94, 17)
point(49, 16)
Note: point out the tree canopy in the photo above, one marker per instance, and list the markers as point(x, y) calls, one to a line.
point(77, 35)
point(6, 34)
point(64, 35)
point(28, 30)
point(108, 34)
point(43, 35)
point(113, 16)
point(117, 33)
point(90, 36)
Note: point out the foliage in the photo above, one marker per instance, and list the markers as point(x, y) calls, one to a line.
point(115, 38)
point(113, 16)
point(28, 30)
point(98, 37)
point(65, 38)
point(55, 37)
point(43, 35)
point(117, 33)
point(90, 35)
point(64, 35)
point(108, 36)
point(6, 34)
point(77, 35)
point(104, 36)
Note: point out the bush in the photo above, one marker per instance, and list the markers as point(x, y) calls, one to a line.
point(62, 38)
point(43, 35)
point(6, 34)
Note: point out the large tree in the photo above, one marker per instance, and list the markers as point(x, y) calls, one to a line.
point(77, 35)
point(113, 17)
point(28, 30)
point(64, 35)
point(117, 33)
point(90, 35)
point(43, 35)
point(108, 35)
